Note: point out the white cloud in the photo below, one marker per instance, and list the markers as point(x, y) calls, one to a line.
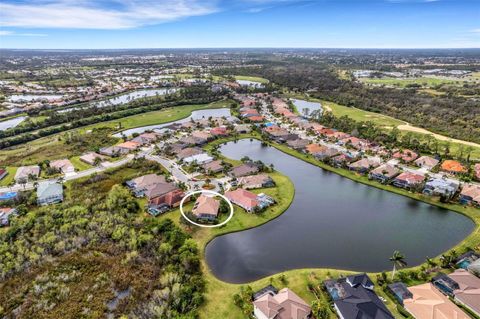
point(475, 30)
point(11, 33)
point(90, 14)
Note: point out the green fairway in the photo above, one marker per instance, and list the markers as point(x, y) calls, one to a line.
point(403, 82)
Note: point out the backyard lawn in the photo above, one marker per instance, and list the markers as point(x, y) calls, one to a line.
point(7, 180)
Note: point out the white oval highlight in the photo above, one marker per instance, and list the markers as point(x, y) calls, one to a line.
point(208, 192)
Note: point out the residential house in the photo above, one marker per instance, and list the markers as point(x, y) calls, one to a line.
point(384, 173)
point(428, 303)
point(444, 187)
point(408, 180)
point(342, 160)
point(140, 184)
point(202, 135)
point(162, 196)
point(219, 131)
point(470, 194)
point(298, 144)
point(113, 151)
point(91, 158)
point(445, 284)
point(213, 167)
point(244, 170)
point(206, 208)
point(476, 171)
point(200, 159)
point(453, 167)
point(325, 152)
point(354, 298)
point(248, 200)
point(5, 214)
point(468, 292)
point(464, 260)
point(129, 146)
point(312, 148)
point(282, 305)
point(191, 140)
point(188, 152)
point(405, 155)
point(427, 162)
point(24, 173)
point(64, 166)
point(242, 128)
point(363, 165)
point(49, 193)
point(400, 291)
point(256, 181)
point(355, 142)
point(3, 173)
point(146, 138)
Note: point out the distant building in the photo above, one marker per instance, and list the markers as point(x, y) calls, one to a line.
point(244, 170)
point(453, 167)
point(91, 158)
point(49, 193)
point(470, 195)
point(427, 162)
point(256, 181)
point(200, 159)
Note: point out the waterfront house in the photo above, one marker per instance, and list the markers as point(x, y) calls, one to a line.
point(244, 170)
point(243, 198)
point(384, 173)
point(445, 187)
point(363, 165)
point(91, 158)
point(219, 131)
point(5, 214)
point(470, 194)
point(113, 151)
point(354, 298)
point(400, 291)
point(341, 160)
point(426, 162)
point(146, 138)
point(200, 159)
point(408, 180)
point(3, 173)
point(202, 135)
point(298, 144)
point(453, 167)
point(256, 181)
point(445, 284)
point(242, 128)
point(213, 167)
point(24, 173)
point(188, 152)
point(464, 260)
point(206, 208)
point(429, 303)
point(64, 166)
point(405, 155)
point(282, 305)
point(312, 148)
point(325, 152)
point(139, 185)
point(49, 193)
point(468, 292)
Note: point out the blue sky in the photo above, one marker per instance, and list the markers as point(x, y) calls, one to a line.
point(72, 24)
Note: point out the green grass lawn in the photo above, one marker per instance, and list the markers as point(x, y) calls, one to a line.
point(7, 180)
point(78, 164)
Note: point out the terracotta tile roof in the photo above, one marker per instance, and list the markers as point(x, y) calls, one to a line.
point(406, 155)
point(429, 303)
point(469, 292)
point(426, 161)
point(284, 305)
point(453, 166)
point(206, 206)
point(243, 198)
point(313, 148)
point(129, 145)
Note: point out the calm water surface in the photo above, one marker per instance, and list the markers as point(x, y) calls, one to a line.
point(332, 222)
point(5, 125)
point(308, 106)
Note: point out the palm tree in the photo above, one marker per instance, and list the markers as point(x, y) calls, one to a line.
point(398, 259)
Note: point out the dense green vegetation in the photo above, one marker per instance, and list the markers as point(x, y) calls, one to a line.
point(71, 260)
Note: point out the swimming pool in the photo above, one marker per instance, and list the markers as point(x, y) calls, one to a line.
point(8, 195)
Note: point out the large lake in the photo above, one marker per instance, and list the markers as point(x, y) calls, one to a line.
point(196, 115)
point(333, 222)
